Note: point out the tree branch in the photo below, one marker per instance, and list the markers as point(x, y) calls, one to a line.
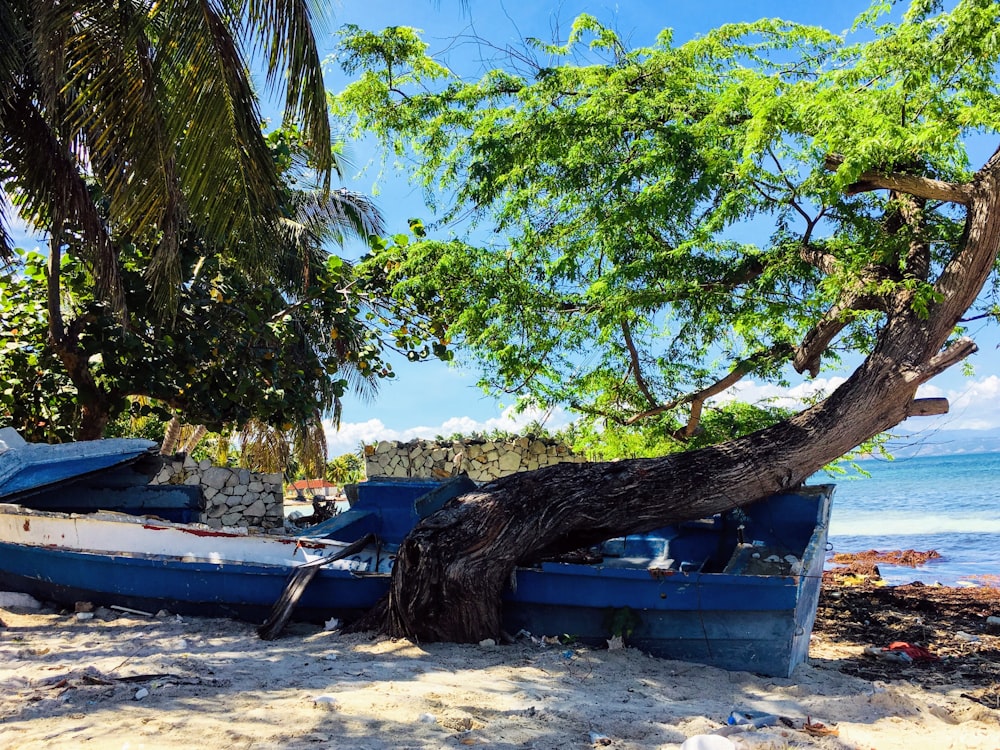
point(927, 407)
point(825, 262)
point(921, 187)
point(636, 369)
point(944, 359)
point(810, 352)
point(698, 398)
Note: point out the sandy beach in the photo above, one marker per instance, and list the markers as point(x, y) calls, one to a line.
point(128, 681)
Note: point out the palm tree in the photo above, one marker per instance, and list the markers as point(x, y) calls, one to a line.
point(152, 102)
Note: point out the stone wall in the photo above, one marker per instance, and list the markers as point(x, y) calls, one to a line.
point(233, 497)
point(482, 460)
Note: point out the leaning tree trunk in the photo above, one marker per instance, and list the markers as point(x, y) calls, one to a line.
point(451, 570)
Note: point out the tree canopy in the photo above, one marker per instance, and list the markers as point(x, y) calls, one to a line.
point(650, 225)
point(155, 103)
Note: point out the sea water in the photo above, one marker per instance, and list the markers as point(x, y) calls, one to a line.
point(950, 504)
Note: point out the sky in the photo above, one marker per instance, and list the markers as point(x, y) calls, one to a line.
point(430, 398)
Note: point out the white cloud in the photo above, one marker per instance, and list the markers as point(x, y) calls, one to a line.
point(793, 398)
point(351, 434)
point(975, 405)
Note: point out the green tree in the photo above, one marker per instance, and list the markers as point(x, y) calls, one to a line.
point(131, 124)
point(617, 190)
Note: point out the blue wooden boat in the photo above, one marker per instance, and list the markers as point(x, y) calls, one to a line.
point(737, 591)
point(92, 475)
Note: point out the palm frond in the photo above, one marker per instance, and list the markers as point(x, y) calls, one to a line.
point(48, 179)
point(285, 31)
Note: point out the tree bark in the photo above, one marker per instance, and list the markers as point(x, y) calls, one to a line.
point(451, 571)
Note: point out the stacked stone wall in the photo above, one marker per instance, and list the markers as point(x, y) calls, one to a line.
point(233, 497)
point(482, 460)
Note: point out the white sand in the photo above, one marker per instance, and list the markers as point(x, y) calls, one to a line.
point(214, 684)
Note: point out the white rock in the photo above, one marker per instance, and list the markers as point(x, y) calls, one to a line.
point(17, 599)
point(327, 702)
point(84, 615)
point(141, 693)
point(193, 480)
point(332, 624)
point(487, 643)
point(428, 719)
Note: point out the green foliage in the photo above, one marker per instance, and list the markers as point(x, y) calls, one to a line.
point(345, 469)
point(621, 188)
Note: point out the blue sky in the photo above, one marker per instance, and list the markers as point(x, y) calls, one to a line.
point(428, 399)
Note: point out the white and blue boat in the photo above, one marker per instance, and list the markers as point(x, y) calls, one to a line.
point(738, 590)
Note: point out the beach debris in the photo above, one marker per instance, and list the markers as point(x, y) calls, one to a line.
point(900, 657)
point(993, 624)
point(818, 729)
point(754, 719)
point(615, 642)
point(141, 693)
point(913, 652)
point(17, 599)
point(130, 611)
point(487, 643)
point(427, 719)
point(84, 615)
point(326, 702)
point(961, 635)
point(83, 607)
point(599, 740)
point(330, 657)
point(332, 624)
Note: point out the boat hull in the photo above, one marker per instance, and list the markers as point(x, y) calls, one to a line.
point(150, 583)
point(738, 591)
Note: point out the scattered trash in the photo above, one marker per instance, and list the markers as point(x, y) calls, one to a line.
point(599, 740)
point(141, 693)
point(83, 607)
point(17, 599)
point(328, 702)
point(84, 615)
point(900, 657)
point(754, 719)
point(567, 654)
point(428, 719)
point(966, 637)
point(615, 642)
point(916, 653)
point(131, 611)
point(330, 657)
point(817, 729)
point(487, 643)
point(332, 624)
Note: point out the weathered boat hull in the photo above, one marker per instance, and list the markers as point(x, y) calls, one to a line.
point(738, 591)
point(691, 602)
